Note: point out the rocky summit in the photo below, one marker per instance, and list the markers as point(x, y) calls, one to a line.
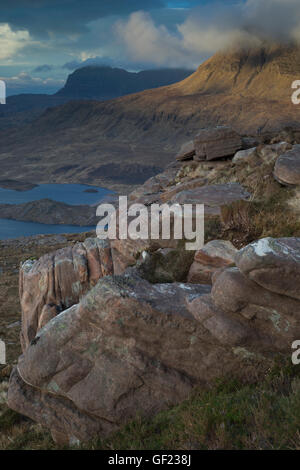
point(112, 330)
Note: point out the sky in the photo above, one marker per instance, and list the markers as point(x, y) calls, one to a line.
point(42, 41)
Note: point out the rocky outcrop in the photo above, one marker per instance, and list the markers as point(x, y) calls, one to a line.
point(214, 256)
point(256, 290)
point(126, 346)
point(287, 167)
point(211, 144)
point(57, 281)
point(219, 142)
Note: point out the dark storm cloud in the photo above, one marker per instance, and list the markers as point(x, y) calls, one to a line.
point(41, 17)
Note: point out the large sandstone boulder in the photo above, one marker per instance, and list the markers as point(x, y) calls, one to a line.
point(58, 280)
point(255, 291)
point(287, 167)
point(128, 347)
point(273, 264)
point(218, 142)
point(214, 256)
point(274, 317)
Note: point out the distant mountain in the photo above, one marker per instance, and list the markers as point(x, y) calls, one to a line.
point(91, 82)
point(102, 143)
point(102, 83)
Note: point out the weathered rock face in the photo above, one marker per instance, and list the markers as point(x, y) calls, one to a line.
point(214, 256)
point(273, 264)
point(287, 167)
point(273, 317)
point(218, 142)
point(127, 347)
point(58, 280)
point(263, 289)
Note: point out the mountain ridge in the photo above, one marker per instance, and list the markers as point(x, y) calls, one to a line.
point(249, 90)
point(105, 82)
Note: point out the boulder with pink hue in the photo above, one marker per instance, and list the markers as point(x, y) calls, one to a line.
point(227, 329)
point(273, 264)
point(128, 347)
point(58, 280)
point(214, 256)
point(247, 307)
point(218, 142)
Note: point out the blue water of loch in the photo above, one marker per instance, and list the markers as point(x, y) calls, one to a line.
point(73, 194)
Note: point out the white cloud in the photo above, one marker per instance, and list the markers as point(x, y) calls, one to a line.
point(207, 30)
point(209, 39)
point(12, 41)
point(145, 42)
